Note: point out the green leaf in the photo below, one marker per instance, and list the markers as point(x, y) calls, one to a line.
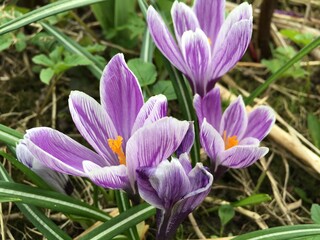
point(252, 200)
point(226, 213)
point(282, 233)
point(8, 136)
point(76, 60)
point(164, 87)
point(144, 71)
point(46, 75)
point(9, 199)
point(121, 223)
point(43, 12)
point(52, 200)
point(297, 37)
point(43, 60)
point(48, 228)
point(303, 52)
point(5, 41)
point(21, 42)
point(314, 129)
point(315, 213)
point(96, 67)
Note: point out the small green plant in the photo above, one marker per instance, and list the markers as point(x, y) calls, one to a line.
point(302, 39)
point(281, 56)
point(57, 62)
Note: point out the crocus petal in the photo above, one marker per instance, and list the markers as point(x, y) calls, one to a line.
point(58, 151)
point(234, 119)
point(209, 107)
point(146, 190)
point(57, 181)
point(94, 124)
point(233, 40)
point(155, 108)
point(201, 181)
point(249, 141)
point(211, 141)
point(185, 162)
point(183, 18)
point(195, 49)
point(187, 142)
point(163, 39)
point(210, 15)
point(114, 177)
point(242, 156)
point(170, 219)
point(121, 95)
point(151, 144)
point(260, 122)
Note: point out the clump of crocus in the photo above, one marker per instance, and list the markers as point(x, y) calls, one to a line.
point(175, 189)
point(112, 129)
point(231, 139)
point(207, 45)
point(57, 181)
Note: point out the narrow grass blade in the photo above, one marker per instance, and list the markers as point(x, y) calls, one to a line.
point(143, 7)
point(303, 52)
point(44, 12)
point(123, 206)
point(96, 68)
point(52, 200)
point(48, 228)
point(282, 233)
point(9, 136)
point(121, 223)
point(185, 100)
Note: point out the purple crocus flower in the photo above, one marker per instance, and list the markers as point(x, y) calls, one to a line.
point(206, 46)
point(175, 189)
point(57, 181)
point(112, 129)
point(231, 139)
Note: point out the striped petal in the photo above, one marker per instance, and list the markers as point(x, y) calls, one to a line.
point(93, 123)
point(121, 95)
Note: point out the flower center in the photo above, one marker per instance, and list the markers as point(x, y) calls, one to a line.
point(209, 40)
point(229, 142)
point(116, 147)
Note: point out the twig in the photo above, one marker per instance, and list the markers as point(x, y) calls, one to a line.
point(196, 227)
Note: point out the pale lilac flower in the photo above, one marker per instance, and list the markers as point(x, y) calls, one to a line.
point(113, 130)
point(175, 189)
point(231, 139)
point(207, 45)
point(57, 181)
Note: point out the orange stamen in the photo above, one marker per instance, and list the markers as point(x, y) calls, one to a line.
point(209, 40)
point(229, 142)
point(116, 147)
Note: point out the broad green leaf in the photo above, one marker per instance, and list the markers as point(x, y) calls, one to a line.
point(121, 223)
point(226, 213)
point(303, 52)
point(252, 200)
point(315, 213)
point(44, 12)
point(43, 60)
point(73, 60)
point(21, 42)
point(46, 75)
point(144, 71)
point(297, 37)
point(52, 200)
point(314, 129)
point(282, 233)
point(5, 41)
point(164, 87)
